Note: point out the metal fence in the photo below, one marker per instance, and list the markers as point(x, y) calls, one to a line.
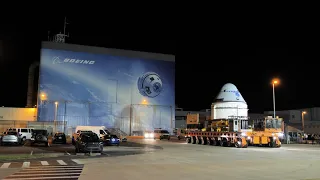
point(126, 117)
point(51, 127)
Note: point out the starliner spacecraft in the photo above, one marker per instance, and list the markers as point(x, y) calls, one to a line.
point(229, 104)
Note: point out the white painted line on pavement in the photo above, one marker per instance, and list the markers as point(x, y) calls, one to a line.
point(76, 161)
point(44, 163)
point(53, 167)
point(49, 169)
point(61, 162)
point(25, 164)
point(40, 178)
point(5, 165)
point(44, 174)
point(57, 172)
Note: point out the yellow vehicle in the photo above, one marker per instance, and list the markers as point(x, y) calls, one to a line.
point(266, 132)
point(220, 125)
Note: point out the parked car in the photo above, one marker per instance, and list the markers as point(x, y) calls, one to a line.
point(161, 134)
point(112, 140)
point(11, 137)
point(59, 137)
point(26, 133)
point(40, 136)
point(88, 142)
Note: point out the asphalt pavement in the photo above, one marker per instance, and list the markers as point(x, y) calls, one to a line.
point(179, 160)
point(64, 167)
point(142, 159)
point(59, 148)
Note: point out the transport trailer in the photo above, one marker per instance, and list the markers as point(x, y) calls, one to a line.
point(217, 132)
point(225, 139)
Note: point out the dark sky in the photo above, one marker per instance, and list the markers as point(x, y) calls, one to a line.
point(201, 68)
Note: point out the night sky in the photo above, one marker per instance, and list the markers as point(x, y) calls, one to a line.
point(201, 70)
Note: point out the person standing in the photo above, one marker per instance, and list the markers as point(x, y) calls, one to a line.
point(288, 139)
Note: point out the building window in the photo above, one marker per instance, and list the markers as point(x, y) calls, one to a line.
point(293, 116)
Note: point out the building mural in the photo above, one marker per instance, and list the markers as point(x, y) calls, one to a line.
point(97, 89)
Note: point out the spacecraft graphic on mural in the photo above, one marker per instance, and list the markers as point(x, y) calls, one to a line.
point(150, 84)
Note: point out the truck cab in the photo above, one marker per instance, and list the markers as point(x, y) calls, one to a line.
point(267, 132)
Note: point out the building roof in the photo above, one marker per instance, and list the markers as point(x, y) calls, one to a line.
point(107, 51)
point(229, 93)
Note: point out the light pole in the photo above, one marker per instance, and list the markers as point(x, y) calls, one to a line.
point(274, 82)
point(302, 119)
point(55, 116)
point(43, 97)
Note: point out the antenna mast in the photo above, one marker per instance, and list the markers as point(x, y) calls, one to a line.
point(61, 37)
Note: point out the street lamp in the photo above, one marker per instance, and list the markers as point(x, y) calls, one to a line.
point(302, 119)
point(274, 82)
point(55, 115)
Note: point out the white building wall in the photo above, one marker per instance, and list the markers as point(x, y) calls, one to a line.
point(223, 110)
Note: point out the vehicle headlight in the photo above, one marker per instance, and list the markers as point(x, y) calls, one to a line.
point(146, 135)
point(151, 135)
point(274, 137)
point(280, 134)
point(243, 134)
point(248, 137)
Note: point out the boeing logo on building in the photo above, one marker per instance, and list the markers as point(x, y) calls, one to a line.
point(58, 60)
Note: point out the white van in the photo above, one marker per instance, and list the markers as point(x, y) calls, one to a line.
point(26, 133)
point(99, 130)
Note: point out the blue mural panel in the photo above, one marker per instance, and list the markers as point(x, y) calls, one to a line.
point(97, 89)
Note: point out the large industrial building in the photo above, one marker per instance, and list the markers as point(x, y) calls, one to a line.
point(81, 85)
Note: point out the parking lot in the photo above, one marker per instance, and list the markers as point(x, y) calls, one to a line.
point(189, 161)
point(58, 150)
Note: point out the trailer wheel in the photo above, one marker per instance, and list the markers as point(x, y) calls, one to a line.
point(214, 142)
point(198, 141)
point(221, 143)
point(237, 144)
point(209, 141)
point(193, 140)
point(228, 144)
point(272, 143)
point(203, 140)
